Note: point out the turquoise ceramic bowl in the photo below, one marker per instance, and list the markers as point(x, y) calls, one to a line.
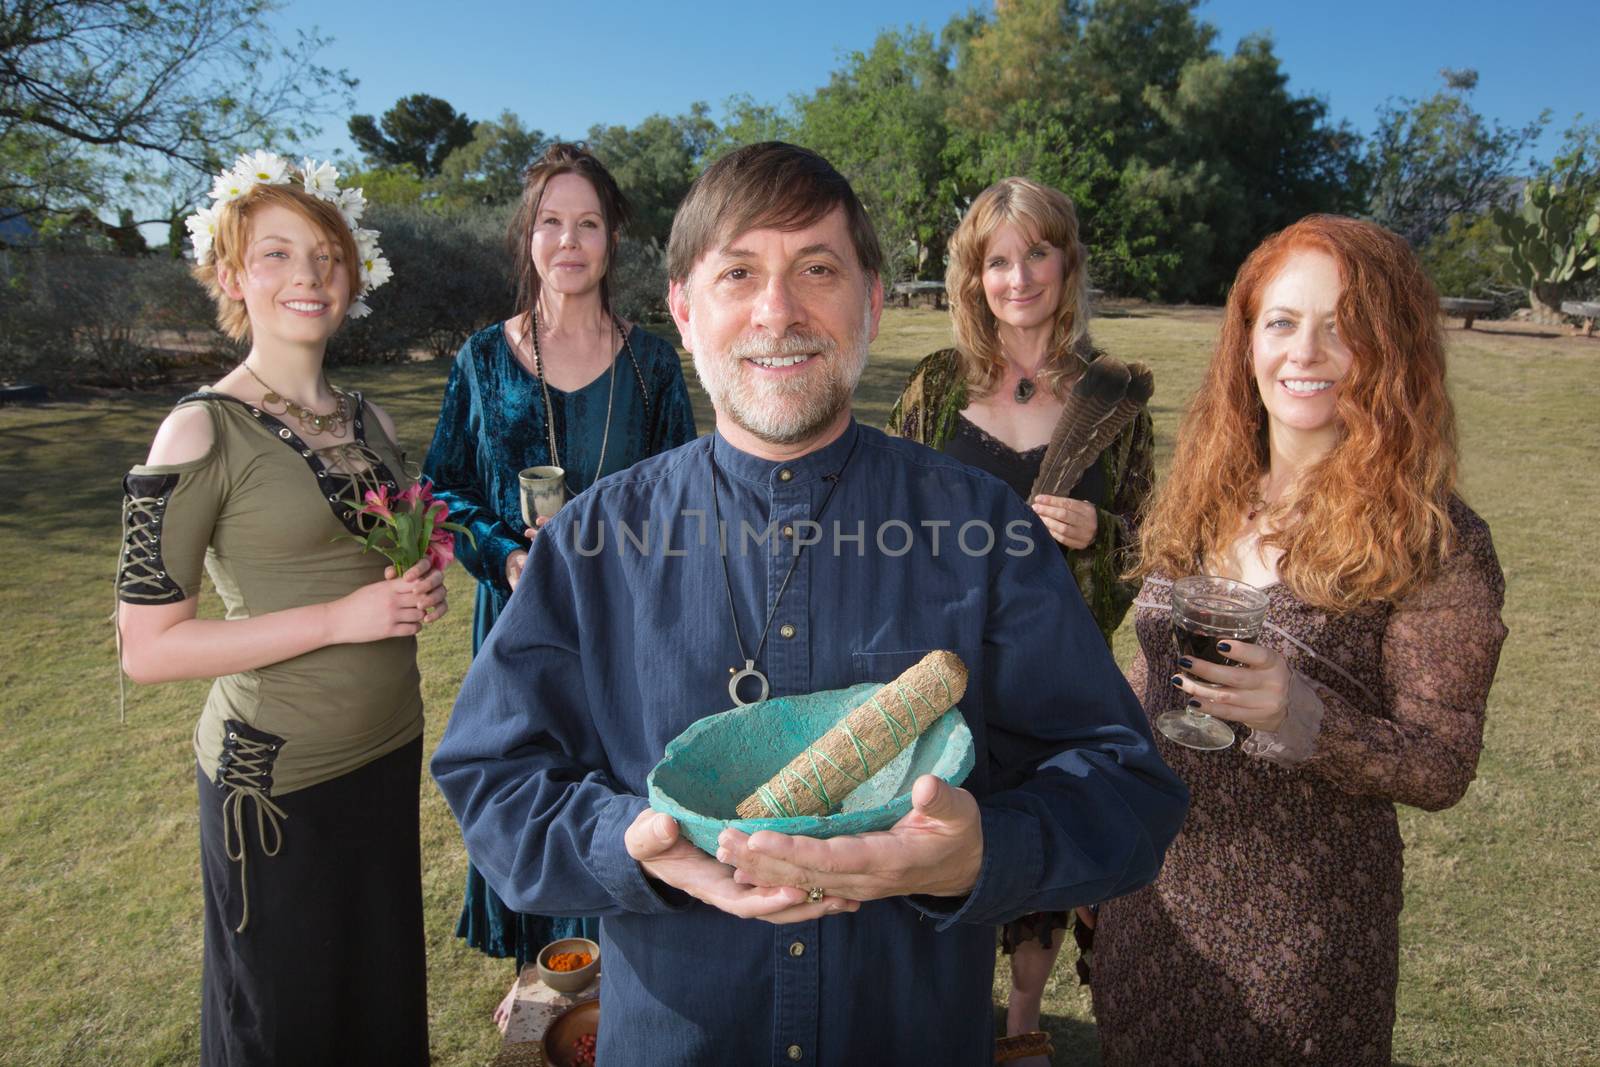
point(721, 759)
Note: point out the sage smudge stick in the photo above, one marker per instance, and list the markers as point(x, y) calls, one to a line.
point(817, 781)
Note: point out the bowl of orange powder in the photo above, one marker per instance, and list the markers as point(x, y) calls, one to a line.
point(569, 965)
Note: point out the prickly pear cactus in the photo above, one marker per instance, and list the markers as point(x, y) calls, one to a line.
point(1549, 245)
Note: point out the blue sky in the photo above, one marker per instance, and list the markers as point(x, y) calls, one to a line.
point(564, 67)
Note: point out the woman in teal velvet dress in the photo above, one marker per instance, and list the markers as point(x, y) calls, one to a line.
point(564, 382)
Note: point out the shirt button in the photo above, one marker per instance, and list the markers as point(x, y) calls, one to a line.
point(787, 630)
point(788, 531)
point(795, 1053)
point(783, 476)
point(797, 949)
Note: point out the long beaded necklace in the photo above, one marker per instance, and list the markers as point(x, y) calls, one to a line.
point(749, 670)
point(333, 422)
point(611, 392)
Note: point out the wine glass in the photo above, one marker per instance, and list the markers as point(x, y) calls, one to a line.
point(1205, 610)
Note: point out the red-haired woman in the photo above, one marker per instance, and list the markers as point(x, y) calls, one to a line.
point(1318, 463)
point(309, 747)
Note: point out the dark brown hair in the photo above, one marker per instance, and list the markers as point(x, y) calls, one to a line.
point(766, 185)
point(563, 158)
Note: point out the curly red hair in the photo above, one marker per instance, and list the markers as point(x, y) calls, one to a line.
point(1369, 521)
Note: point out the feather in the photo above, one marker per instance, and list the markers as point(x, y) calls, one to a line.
point(1093, 399)
point(1095, 413)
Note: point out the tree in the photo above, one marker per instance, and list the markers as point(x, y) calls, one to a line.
point(1210, 151)
point(105, 100)
point(420, 130)
point(654, 163)
point(744, 121)
point(488, 168)
point(880, 120)
point(1438, 158)
point(1244, 157)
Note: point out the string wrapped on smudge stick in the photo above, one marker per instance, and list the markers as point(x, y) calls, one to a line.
point(817, 781)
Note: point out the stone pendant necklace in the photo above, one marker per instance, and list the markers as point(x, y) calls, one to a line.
point(1026, 386)
point(749, 670)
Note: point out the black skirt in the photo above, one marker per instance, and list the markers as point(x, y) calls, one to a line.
point(330, 967)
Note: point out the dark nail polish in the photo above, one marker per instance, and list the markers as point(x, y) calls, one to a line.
point(1194, 704)
point(1185, 662)
point(1223, 646)
point(1177, 681)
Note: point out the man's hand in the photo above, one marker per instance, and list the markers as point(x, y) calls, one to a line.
point(937, 849)
point(665, 855)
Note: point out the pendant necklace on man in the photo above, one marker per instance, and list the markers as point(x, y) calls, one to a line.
point(749, 669)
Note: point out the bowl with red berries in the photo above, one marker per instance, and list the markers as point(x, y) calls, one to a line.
point(569, 1042)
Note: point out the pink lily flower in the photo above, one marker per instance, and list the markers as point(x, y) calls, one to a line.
point(441, 549)
point(412, 496)
point(377, 503)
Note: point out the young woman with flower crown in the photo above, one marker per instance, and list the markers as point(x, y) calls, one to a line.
point(309, 746)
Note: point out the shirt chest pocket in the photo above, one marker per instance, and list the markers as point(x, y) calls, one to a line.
point(884, 666)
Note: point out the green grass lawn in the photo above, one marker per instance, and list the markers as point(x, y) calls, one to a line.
point(99, 876)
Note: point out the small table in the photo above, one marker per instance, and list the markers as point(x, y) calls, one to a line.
point(1587, 310)
point(925, 294)
point(1465, 308)
point(534, 1006)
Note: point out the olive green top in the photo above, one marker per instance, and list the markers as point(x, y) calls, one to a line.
point(266, 516)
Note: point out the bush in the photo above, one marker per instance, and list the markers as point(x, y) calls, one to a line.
point(451, 277)
point(80, 317)
point(1466, 260)
point(639, 280)
point(77, 317)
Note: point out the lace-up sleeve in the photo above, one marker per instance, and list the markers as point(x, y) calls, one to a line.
point(168, 512)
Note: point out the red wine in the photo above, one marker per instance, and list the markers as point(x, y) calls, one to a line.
point(1199, 642)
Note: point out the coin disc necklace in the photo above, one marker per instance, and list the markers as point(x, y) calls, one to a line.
point(333, 422)
point(749, 669)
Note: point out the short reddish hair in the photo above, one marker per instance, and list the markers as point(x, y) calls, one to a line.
point(233, 237)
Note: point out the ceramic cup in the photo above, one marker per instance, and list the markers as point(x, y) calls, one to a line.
point(544, 490)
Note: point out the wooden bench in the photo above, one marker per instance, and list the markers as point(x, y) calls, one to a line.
point(1587, 310)
point(918, 294)
point(1465, 309)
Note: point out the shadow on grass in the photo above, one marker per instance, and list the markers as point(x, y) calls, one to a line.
point(1076, 1041)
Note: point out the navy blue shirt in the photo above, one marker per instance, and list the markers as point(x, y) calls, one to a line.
point(619, 637)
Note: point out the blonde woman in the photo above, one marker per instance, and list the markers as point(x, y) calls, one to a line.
point(1019, 288)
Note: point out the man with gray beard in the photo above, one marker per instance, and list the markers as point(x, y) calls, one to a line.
point(877, 948)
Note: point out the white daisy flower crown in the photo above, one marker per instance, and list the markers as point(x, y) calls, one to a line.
point(321, 180)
